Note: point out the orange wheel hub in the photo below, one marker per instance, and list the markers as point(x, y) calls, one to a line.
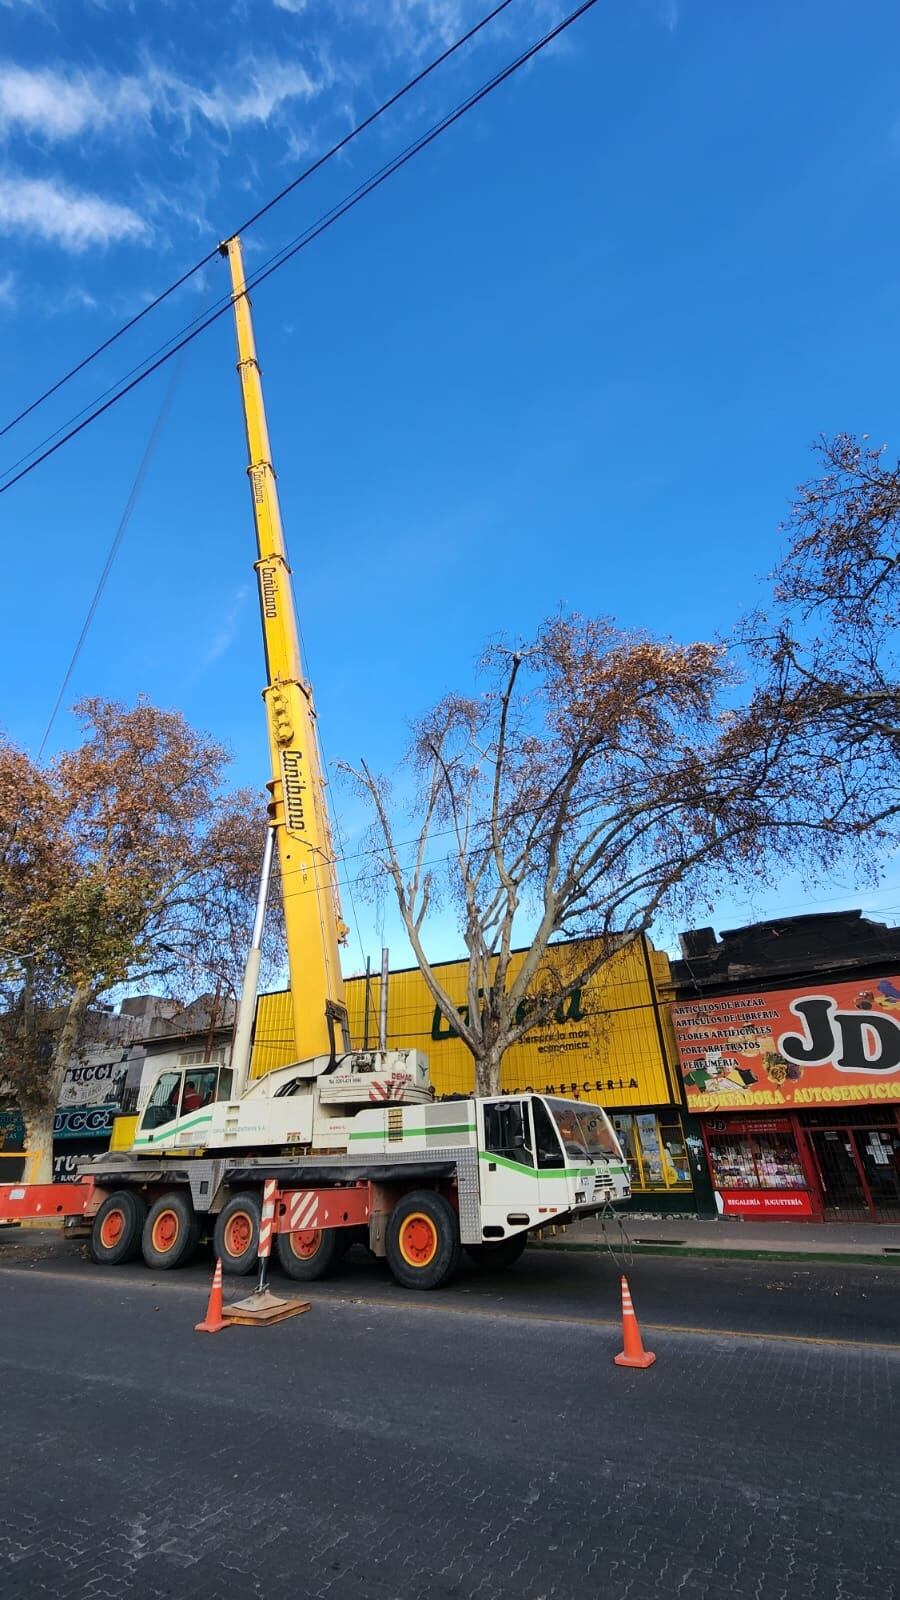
point(305, 1243)
point(418, 1240)
point(111, 1229)
point(238, 1233)
point(165, 1231)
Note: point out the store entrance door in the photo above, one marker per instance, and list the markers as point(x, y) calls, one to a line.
point(842, 1179)
point(878, 1152)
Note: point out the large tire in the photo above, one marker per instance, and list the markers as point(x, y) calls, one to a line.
point(236, 1234)
point(312, 1253)
point(422, 1241)
point(117, 1228)
point(171, 1232)
point(497, 1254)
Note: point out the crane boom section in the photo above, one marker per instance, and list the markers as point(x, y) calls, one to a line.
point(312, 914)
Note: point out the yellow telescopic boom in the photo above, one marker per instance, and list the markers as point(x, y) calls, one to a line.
point(297, 810)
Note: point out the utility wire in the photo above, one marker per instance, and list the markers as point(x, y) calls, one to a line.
point(119, 535)
point(222, 302)
point(316, 230)
point(261, 212)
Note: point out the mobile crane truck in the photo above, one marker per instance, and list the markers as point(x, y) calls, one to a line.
point(355, 1140)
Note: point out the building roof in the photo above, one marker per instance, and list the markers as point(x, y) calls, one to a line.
point(785, 949)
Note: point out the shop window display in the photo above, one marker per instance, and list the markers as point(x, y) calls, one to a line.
point(755, 1161)
point(654, 1149)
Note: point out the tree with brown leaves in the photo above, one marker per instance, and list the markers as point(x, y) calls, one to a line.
point(123, 862)
point(826, 652)
point(570, 792)
point(601, 777)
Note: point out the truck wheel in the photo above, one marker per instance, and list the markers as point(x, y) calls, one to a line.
point(496, 1254)
point(312, 1253)
point(171, 1231)
point(422, 1240)
point(236, 1234)
point(116, 1230)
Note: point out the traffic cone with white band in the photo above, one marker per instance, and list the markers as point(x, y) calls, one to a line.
point(214, 1322)
point(634, 1354)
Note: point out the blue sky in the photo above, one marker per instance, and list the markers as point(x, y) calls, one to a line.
point(576, 353)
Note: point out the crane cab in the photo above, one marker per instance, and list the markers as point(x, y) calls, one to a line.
point(182, 1099)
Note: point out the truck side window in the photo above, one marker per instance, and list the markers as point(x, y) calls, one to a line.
point(505, 1131)
point(163, 1103)
point(546, 1139)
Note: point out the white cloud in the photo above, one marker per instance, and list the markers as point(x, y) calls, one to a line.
point(51, 211)
point(59, 104)
point(295, 6)
point(228, 629)
point(81, 299)
point(265, 87)
point(7, 289)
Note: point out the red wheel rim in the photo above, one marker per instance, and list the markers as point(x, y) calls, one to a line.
point(418, 1240)
point(111, 1229)
point(165, 1231)
point(306, 1243)
point(238, 1233)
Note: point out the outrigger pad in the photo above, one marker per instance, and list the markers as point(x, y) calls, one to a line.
point(263, 1309)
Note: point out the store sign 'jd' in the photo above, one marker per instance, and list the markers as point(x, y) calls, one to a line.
point(856, 1041)
point(792, 1047)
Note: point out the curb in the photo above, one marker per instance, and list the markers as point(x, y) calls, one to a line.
point(698, 1253)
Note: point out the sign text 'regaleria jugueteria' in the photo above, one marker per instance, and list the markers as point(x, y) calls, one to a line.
point(827, 1044)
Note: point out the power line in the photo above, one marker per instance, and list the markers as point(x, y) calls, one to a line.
point(288, 253)
point(113, 549)
point(276, 199)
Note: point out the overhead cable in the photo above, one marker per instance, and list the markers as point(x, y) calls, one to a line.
point(119, 535)
point(276, 199)
point(288, 253)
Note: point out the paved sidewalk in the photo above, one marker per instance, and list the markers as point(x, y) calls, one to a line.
point(733, 1236)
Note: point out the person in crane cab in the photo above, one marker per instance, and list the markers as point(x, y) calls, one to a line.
point(199, 1089)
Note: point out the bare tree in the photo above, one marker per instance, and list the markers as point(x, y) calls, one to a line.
point(602, 776)
point(572, 793)
point(825, 652)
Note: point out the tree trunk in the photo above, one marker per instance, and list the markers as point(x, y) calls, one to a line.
point(487, 1073)
point(38, 1144)
point(39, 1117)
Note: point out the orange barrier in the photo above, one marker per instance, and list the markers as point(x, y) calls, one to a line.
point(46, 1200)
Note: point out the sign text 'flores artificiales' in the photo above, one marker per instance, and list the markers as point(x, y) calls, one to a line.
point(835, 1043)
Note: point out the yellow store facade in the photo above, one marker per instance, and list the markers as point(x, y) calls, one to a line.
point(610, 1043)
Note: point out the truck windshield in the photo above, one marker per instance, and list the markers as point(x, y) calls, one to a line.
point(583, 1128)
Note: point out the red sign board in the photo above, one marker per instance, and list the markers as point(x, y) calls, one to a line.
point(827, 1044)
point(766, 1203)
point(735, 1125)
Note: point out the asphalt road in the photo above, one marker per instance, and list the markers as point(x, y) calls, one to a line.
point(473, 1443)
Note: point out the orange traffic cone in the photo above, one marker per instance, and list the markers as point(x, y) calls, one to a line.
point(214, 1322)
point(634, 1354)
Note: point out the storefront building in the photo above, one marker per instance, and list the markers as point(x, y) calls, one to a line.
point(796, 1085)
point(610, 1043)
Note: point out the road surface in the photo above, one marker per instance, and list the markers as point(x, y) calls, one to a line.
point(478, 1442)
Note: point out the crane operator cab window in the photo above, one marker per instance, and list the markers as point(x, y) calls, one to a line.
point(199, 1090)
point(177, 1094)
point(163, 1103)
